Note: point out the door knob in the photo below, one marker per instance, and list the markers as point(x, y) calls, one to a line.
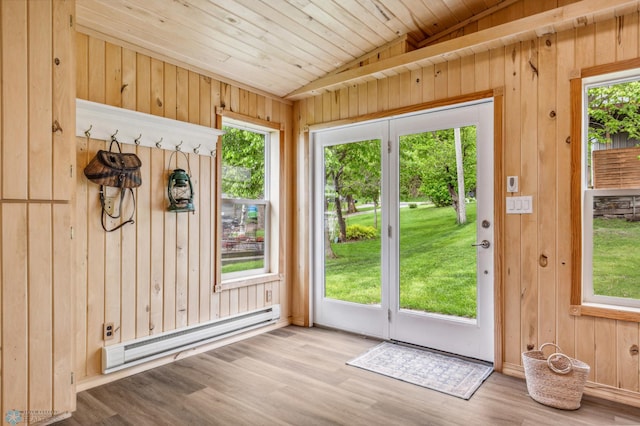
point(483, 244)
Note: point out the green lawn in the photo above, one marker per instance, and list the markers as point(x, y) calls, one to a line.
point(242, 266)
point(437, 261)
point(437, 268)
point(616, 264)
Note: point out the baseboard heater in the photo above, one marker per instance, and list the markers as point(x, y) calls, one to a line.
point(125, 355)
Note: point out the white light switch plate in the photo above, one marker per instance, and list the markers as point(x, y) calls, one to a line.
point(520, 205)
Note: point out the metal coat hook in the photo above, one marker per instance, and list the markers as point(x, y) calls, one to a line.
point(196, 150)
point(178, 147)
point(213, 152)
point(113, 136)
point(159, 143)
point(87, 132)
point(137, 140)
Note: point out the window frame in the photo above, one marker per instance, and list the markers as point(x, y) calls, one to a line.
point(584, 302)
point(271, 200)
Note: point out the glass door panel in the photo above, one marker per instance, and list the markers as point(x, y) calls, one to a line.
point(349, 248)
point(352, 253)
point(398, 250)
point(442, 277)
point(437, 216)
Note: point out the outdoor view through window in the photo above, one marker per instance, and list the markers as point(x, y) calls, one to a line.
point(244, 201)
point(611, 216)
point(437, 263)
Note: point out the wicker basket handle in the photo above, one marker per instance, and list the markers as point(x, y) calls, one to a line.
point(556, 355)
point(565, 370)
point(558, 350)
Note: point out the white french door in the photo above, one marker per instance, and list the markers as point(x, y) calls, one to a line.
point(422, 278)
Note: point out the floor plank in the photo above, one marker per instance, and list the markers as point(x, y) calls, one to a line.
point(298, 376)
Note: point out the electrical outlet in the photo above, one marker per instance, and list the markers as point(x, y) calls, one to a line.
point(109, 204)
point(108, 331)
point(268, 296)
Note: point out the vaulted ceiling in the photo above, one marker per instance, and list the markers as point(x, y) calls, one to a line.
point(298, 48)
point(276, 46)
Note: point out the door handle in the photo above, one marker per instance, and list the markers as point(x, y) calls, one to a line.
point(483, 244)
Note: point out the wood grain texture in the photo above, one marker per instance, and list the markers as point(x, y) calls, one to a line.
point(113, 240)
point(63, 313)
point(547, 190)
point(97, 64)
point(565, 43)
point(15, 310)
point(40, 100)
point(499, 178)
point(530, 120)
point(576, 196)
point(523, 29)
point(294, 376)
point(311, 40)
point(128, 279)
point(194, 284)
point(158, 274)
point(627, 350)
point(542, 146)
point(512, 160)
point(627, 36)
point(15, 98)
point(605, 352)
point(40, 302)
point(80, 263)
point(157, 214)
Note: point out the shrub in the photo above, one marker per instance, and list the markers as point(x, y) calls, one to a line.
point(360, 232)
point(439, 196)
point(413, 206)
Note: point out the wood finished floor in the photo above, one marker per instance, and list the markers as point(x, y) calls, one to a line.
point(298, 376)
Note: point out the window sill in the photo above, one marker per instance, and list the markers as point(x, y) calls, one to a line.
point(606, 311)
point(240, 282)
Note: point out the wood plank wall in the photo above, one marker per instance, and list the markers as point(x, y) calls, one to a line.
point(159, 274)
point(535, 76)
point(37, 118)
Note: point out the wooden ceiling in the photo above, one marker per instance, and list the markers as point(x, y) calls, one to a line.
point(276, 46)
point(298, 48)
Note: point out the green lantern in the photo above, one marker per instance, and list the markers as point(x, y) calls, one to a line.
point(180, 190)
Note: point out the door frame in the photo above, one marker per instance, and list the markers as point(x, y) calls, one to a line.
point(371, 318)
point(499, 188)
point(450, 333)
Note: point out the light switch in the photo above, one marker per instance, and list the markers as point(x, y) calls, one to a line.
point(520, 205)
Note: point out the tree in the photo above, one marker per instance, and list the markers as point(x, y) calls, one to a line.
point(243, 160)
point(352, 171)
point(411, 165)
point(430, 159)
point(362, 179)
point(614, 109)
point(461, 210)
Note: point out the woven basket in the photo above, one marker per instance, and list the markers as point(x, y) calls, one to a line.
point(557, 381)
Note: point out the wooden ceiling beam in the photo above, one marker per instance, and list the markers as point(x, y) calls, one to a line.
point(573, 15)
point(474, 18)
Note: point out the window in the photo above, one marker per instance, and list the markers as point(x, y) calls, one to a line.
point(607, 267)
point(246, 209)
